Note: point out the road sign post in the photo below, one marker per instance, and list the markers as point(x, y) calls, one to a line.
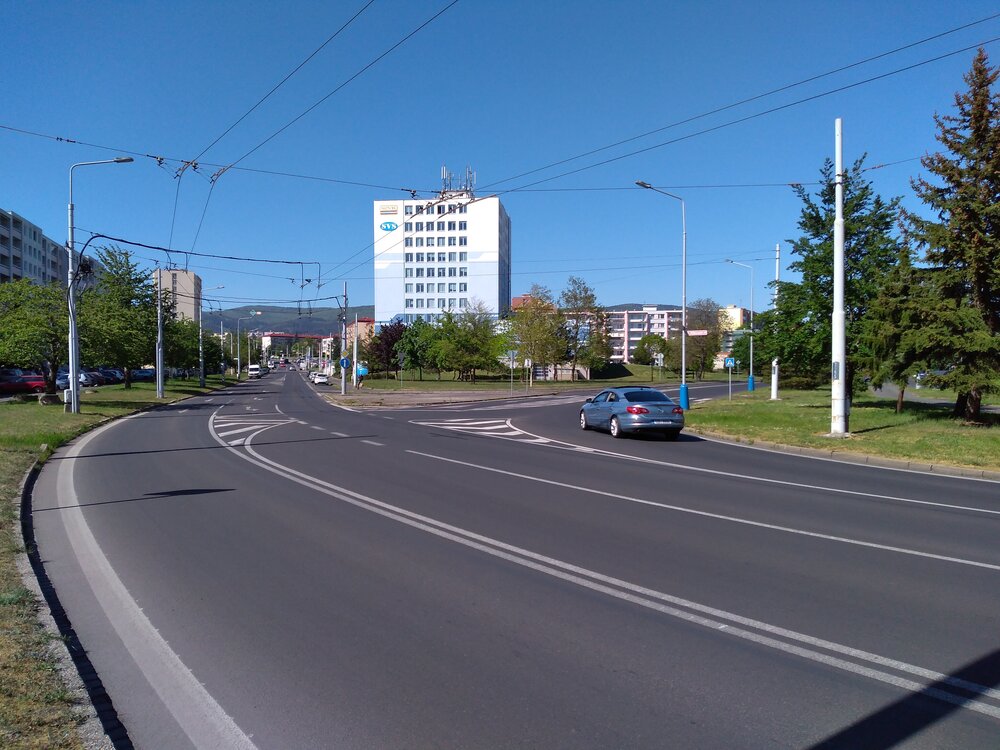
point(730, 363)
point(511, 354)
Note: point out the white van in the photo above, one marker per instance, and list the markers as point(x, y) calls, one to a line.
point(253, 371)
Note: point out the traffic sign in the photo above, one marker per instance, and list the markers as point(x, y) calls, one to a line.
point(730, 362)
point(345, 363)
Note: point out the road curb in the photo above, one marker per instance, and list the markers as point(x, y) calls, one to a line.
point(854, 458)
point(96, 726)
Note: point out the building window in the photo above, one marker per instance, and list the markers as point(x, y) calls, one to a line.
point(440, 288)
point(452, 241)
point(408, 288)
point(451, 271)
point(409, 257)
point(420, 303)
point(451, 208)
point(420, 272)
point(430, 302)
point(463, 241)
point(441, 302)
point(463, 256)
point(451, 226)
point(451, 257)
point(407, 226)
point(408, 210)
point(441, 257)
point(420, 288)
point(408, 273)
point(440, 241)
point(430, 242)
point(451, 302)
point(463, 302)
point(407, 242)
point(440, 226)
point(420, 226)
point(441, 209)
point(462, 226)
point(420, 241)
point(441, 271)
point(463, 208)
point(451, 288)
point(420, 257)
point(463, 287)
point(463, 271)
point(408, 303)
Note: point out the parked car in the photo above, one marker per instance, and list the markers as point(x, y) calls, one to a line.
point(11, 384)
point(143, 375)
point(321, 378)
point(62, 381)
point(112, 375)
point(632, 409)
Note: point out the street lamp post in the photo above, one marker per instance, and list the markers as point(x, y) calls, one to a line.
point(685, 401)
point(74, 342)
point(201, 349)
point(239, 366)
point(750, 383)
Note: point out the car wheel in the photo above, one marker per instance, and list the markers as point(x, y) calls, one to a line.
point(616, 429)
point(39, 389)
point(672, 435)
point(583, 421)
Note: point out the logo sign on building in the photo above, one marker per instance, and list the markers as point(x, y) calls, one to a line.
point(389, 226)
point(388, 208)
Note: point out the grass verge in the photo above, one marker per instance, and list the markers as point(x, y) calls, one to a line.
point(925, 433)
point(36, 709)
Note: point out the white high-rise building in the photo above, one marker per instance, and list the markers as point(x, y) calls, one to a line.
point(446, 253)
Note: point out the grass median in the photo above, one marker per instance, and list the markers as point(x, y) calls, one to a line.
point(36, 710)
point(924, 433)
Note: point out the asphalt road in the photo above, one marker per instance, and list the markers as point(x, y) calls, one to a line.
point(260, 569)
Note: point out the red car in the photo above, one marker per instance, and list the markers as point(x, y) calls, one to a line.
point(10, 384)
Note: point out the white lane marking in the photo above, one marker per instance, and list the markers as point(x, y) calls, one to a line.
point(237, 441)
point(498, 428)
point(372, 442)
point(254, 426)
point(183, 411)
point(300, 421)
point(209, 400)
point(651, 598)
point(316, 427)
point(339, 434)
point(388, 417)
point(717, 516)
point(278, 409)
point(199, 715)
point(341, 406)
point(750, 478)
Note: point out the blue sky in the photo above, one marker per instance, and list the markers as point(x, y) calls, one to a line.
point(506, 87)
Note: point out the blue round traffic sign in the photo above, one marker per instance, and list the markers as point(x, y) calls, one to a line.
point(345, 363)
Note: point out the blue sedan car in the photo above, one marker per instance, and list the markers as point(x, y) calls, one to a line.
point(630, 409)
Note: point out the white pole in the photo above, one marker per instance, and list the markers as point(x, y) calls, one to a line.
point(354, 369)
point(774, 306)
point(238, 364)
point(343, 345)
point(222, 346)
point(159, 334)
point(685, 402)
point(74, 365)
point(838, 422)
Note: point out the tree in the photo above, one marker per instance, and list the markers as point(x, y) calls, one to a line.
point(118, 316)
point(35, 330)
point(596, 351)
point(382, 350)
point(646, 347)
point(415, 344)
point(578, 304)
point(960, 328)
point(800, 332)
point(703, 314)
point(180, 344)
point(537, 328)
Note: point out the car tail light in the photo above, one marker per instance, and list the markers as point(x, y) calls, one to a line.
point(678, 410)
point(637, 410)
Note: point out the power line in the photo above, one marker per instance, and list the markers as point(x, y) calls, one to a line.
point(743, 101)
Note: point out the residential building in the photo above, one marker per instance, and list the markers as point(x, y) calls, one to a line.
point(447, 253)
point(628, 323)
point(185, 291)
point(733, 319)
point(26, 253)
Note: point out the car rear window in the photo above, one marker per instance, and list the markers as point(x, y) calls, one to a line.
point(649, 395)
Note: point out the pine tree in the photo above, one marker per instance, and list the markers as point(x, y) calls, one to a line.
point(960, 329)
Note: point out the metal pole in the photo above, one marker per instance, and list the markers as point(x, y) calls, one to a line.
point(74, 365)
point(685, 401)
point(343, 345)
point(159, 334)
point(838, 421)
point(774, 306)
point(222, 346)
point(201, 350)
point(354, 372)
point(239, 366)
point(750, 383)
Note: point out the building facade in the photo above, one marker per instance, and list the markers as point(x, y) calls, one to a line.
point(26, 253)
point(432, 256)
point(629, 323)
point(185, 291)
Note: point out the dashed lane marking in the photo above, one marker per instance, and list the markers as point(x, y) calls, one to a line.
point(372, 442)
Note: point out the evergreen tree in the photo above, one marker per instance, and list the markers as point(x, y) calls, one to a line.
point(800, 332)
point(959, 328)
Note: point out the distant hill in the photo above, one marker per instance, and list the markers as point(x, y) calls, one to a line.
point(320, 321)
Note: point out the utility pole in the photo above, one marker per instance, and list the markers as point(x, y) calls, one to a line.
point(838, 421)
point(774, 306)
point(159, 333)
point(343, 344)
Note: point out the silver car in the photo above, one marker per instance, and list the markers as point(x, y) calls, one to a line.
point(630, 409)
